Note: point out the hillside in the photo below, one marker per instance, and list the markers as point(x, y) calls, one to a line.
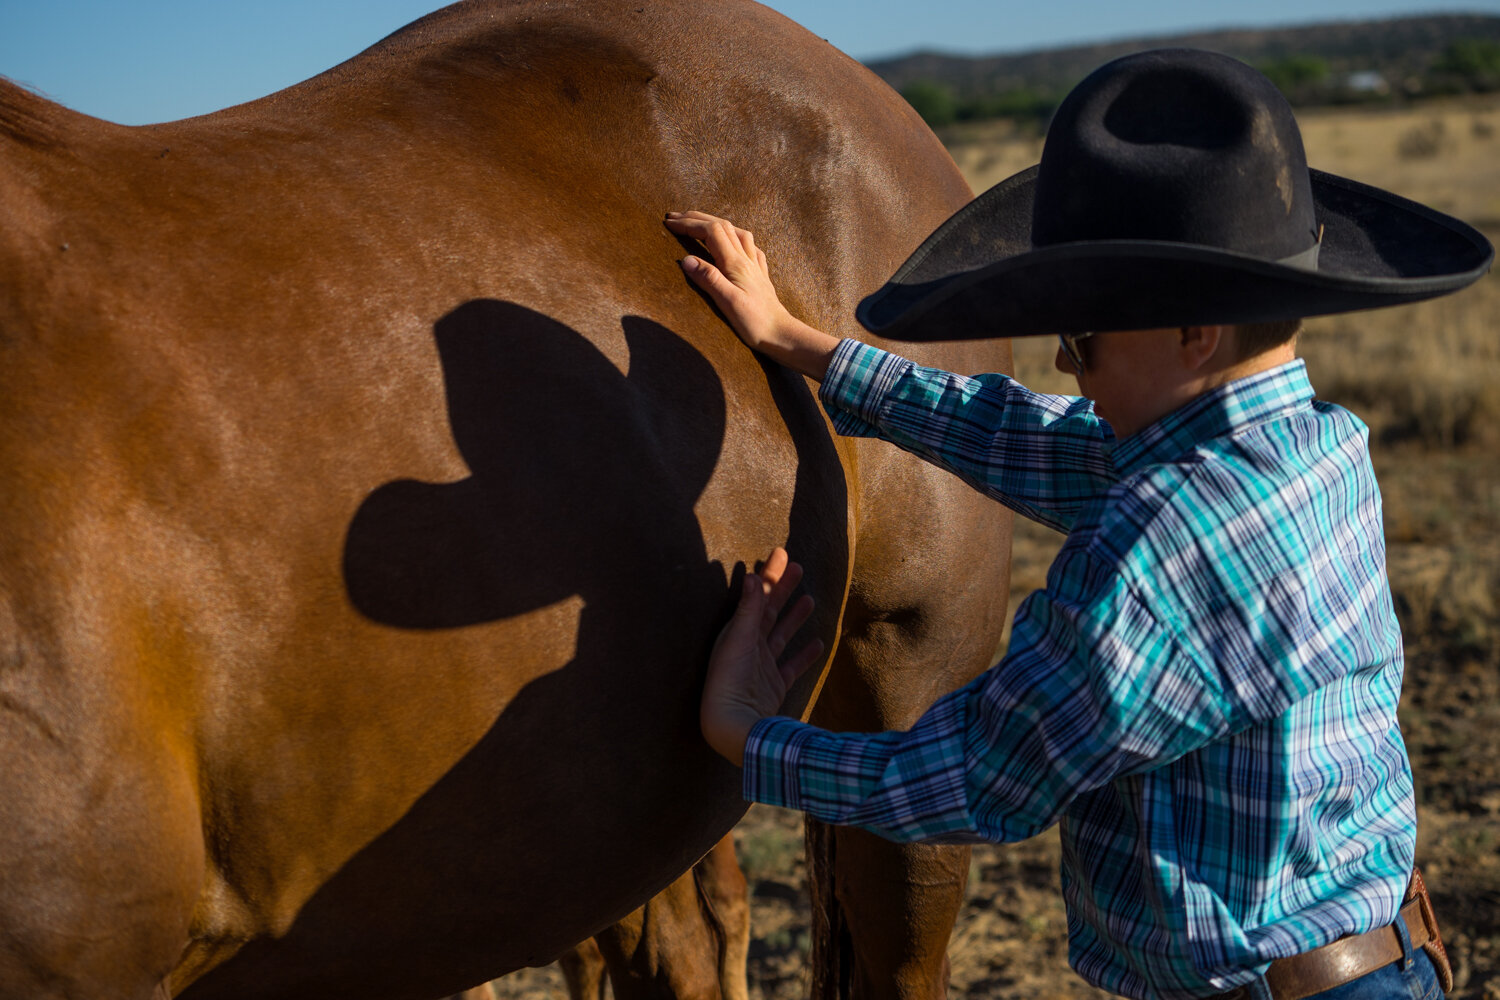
point(1336, 62)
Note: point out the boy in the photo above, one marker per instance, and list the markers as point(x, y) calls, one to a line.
point(1204, 694)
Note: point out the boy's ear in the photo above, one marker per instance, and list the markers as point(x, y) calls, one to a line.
point(1199, 344)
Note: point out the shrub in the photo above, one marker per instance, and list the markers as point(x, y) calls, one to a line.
point(1022, 103)
point(933, 101)
point(1474, 63)
point(1299, 77)
point(1421, 142)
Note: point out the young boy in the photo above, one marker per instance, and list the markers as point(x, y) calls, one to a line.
point(1204, 694)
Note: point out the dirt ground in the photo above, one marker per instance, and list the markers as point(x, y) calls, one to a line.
point(1427, 380)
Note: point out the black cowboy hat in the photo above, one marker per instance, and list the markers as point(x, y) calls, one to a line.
point(1173, 190)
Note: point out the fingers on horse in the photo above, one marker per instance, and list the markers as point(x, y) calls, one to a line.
point(799, 664)
point(727, 243)
point(747, 243)
point(722, 238)
point(781, 578)
point(774, 566)
point(789, 623)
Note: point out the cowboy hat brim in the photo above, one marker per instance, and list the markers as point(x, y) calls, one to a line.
point(978, 275)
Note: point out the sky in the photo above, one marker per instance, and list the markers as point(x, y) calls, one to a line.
point(139, 61)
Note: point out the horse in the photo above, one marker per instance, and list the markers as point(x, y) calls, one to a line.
point(375, 485)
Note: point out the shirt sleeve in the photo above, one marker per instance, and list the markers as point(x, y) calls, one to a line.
point(1001, 758)
point(1041, 455)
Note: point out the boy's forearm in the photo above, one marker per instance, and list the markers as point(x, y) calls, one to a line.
point(1042, 455)
point(801, 348)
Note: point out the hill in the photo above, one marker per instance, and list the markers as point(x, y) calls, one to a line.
point(1390, 59)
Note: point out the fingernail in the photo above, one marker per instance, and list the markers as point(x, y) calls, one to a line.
point(690, 263)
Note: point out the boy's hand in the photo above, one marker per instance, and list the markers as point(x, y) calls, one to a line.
point(745, 682)
point(740, 285)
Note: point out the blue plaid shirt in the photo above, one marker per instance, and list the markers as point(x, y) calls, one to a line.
point(1203, 696)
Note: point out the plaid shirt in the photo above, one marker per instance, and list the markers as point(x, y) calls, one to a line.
point(1203, 696)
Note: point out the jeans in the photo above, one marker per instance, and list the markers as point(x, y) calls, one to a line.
point(1411, 978)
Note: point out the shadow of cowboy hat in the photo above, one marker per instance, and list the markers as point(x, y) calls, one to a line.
point(1173, 190)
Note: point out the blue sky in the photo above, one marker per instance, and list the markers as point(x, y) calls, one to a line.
point(136, 61)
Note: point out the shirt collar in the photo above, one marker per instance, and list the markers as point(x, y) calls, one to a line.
point(1223, 410)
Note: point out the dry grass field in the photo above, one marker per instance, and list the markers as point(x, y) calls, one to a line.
point(1426, 378)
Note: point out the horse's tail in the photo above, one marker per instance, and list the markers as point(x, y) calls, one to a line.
point(831, 958)
point(882, 913)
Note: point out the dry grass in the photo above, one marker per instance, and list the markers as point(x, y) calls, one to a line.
point(1428, 373)
point(1445, 155)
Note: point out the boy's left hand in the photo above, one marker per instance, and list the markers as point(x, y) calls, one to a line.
point(740, 285)
point(745, 682)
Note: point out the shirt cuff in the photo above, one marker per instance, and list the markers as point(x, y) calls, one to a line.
point(855, 387)
point(771, 754)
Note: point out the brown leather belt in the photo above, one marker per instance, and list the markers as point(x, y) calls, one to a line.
point(1348, 958)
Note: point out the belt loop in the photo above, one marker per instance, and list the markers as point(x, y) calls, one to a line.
point(1404, 935)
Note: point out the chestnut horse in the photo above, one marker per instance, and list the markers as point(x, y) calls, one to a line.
point(374, 485)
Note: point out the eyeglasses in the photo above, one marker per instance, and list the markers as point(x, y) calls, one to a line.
point(1070, 342)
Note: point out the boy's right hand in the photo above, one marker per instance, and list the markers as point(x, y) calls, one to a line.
point(748, 678)
point(740, 285)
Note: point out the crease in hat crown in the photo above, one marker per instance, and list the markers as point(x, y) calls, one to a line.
point(1176, 146)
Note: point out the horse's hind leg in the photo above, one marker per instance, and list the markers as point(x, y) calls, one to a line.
point(583, 970)
point(882, 914)
point(722, 885)
point(925, 614)
point(690, 941)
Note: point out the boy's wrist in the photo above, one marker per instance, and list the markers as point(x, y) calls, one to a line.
point(727, 732)
point(803, 348)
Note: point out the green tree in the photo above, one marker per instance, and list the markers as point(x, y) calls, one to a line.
point(1475, 62)
point(1021, 103)
point(933, 101)
point(1297, 76)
